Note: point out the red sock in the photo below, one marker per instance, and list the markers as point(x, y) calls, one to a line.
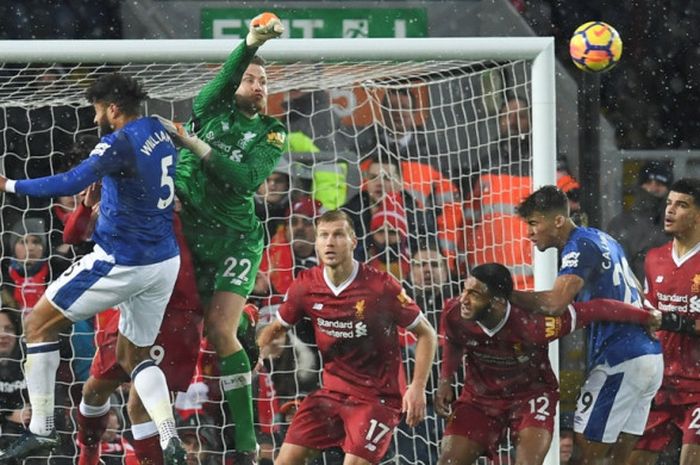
point(148, 450)
point(90, 430)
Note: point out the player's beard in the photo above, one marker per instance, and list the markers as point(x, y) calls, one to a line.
point(104, 126)
point(250, 105)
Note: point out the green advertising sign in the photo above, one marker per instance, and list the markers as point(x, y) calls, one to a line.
point(232, 23)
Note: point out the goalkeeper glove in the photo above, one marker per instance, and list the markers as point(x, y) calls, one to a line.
point(263, 27)
point(183, 138)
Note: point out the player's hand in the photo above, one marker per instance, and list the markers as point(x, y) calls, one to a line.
point(414, 405)
point(3, 182)
point(654, 320)
point(181, 137)
point(444, 397)
point(91, 195)
point(263, 27)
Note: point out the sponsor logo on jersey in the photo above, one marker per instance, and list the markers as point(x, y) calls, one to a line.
point(360, 310)
point(100, 148)
point(342, 329)
point(570, 260)
point(317, 306)
point(695, 287)
point(276, 138)
point(552, 326)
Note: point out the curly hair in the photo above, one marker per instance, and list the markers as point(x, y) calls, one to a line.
point(124, 91)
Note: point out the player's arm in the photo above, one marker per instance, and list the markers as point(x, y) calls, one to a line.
point(246, 176)
point(268, 336)
point(414, 403)
point(543, 329)
point(81, 222)
point(68, 183)
point(452, 354)
point(217, 95)
point(553, 302)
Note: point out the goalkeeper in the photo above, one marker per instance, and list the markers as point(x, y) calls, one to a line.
point(216, 178)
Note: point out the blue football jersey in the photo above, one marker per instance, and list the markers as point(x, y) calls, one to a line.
point(599, 260)
point(137, 167)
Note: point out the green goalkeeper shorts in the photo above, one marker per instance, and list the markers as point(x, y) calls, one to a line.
point(225, 264)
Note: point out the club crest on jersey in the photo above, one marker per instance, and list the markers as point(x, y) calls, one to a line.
point(276, 138)
point(403, 298)
point(225, 126)
point(695, 287)
point(247, 137)
point(360, 310)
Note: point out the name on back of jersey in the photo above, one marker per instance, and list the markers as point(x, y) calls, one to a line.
point(153, 141)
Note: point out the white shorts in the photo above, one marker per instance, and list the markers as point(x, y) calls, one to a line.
point(617, 399)
point(94, 283)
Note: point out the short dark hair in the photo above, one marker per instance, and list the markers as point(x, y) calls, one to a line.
point(258, 60)
point(496, 277)
point(336, 215)
point(124, 91)
point(547, 199)
point(688, 186)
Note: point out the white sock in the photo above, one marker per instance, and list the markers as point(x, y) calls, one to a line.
point(93, 410)
point(40, 373)
point(144, 430)
point(151, 386)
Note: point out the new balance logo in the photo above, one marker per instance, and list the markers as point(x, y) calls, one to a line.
point(317, 306)
point(659, 279)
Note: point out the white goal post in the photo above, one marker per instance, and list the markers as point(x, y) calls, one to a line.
point(174, 70)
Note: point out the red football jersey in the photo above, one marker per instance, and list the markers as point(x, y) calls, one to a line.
point(506, 363)
point(673, 285)
point(356, 328)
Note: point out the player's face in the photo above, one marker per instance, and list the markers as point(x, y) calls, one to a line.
point(542, 230)
point(251, 95)
point(682, 215)
point(335, 243)
point(475, 299)
point(102, 117)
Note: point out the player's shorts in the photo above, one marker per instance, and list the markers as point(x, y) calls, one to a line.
point(617, 399)
point(328, 419)
point(95, 283)
point(175, 350)
point(225, 264)
point(666, 421)
point(486, 423)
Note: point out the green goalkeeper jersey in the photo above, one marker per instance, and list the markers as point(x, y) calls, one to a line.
point(217, 195)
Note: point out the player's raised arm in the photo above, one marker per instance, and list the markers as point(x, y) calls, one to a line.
point(217, 95)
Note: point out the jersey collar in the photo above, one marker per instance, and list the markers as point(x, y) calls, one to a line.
point(688, 255)
point(499, 326)
point(342, 286)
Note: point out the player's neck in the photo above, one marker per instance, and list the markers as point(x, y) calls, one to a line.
point(565, 233)
point(494, 315)
point(684, 244)
point(340, 273)
point(122, 120)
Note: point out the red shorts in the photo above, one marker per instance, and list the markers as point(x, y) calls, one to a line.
point(486, 422)
point(328, 419)
point(666, 421)
point(175, 350)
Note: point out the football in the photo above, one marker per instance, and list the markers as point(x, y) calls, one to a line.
point(595, 46)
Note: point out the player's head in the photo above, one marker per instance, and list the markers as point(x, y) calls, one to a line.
point(116, 97)
point(682, 215)
point(335, 238)
point(488, 284)
point(251, 95)
point(546, 212)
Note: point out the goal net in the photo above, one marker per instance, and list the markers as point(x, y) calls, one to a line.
point(403, 134)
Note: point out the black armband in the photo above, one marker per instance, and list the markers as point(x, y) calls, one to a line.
point(677, 323)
